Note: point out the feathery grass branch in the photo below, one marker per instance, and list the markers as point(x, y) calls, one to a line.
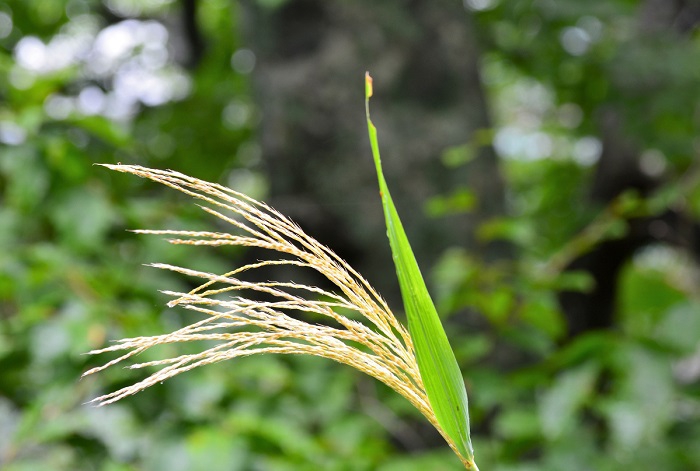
point(389, 356)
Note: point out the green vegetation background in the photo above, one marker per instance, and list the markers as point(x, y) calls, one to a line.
point(71, 277)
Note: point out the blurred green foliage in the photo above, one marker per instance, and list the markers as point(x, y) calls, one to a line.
point(71, 277)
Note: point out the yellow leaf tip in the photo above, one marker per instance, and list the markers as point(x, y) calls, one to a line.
point(368, 85)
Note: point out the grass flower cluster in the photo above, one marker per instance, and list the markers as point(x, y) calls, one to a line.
point(242, 326)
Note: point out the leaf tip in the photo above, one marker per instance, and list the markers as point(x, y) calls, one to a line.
point(368, 85)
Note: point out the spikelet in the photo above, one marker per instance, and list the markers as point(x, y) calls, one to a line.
point(241, 326)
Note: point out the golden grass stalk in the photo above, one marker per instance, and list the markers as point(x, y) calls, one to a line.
point(239, 326)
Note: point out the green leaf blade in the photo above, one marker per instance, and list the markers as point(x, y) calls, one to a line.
point(437, 364)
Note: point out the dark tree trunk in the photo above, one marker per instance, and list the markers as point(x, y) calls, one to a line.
point(309, 83)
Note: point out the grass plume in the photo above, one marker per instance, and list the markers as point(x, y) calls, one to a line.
point(241, 326)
